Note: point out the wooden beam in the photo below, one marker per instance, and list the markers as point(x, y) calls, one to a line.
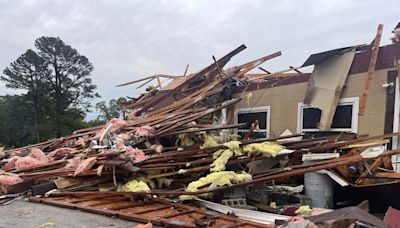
point(186, 69)
point(147, 78)
point(371, 69)
point(387, 175)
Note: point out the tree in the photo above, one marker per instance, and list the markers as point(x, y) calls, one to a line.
point(27, 73)
point(58, 84)
point(67, 74)
point(111, 110)
point(16, 121)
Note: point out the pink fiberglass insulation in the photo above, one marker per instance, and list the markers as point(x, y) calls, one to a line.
point(119, 143)
point(99, 170)
point(144, 131)
point(126, 137)
point(6, 180)
point(61, 151)
point(157, 147)
point(28, 162)
point(135, 154)
point(11, 163)
point(117, 124)
point(39, 155)
point(85, 165)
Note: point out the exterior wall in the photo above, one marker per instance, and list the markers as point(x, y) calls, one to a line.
point(283, 101)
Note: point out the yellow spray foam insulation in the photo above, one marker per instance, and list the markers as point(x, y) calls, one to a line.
point(209, 142)
point(133, 186)
point(303, 210)
point(235, 147)
point(220, 162)
point(269, 149)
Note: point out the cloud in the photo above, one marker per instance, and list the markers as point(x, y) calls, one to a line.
point(126, 40)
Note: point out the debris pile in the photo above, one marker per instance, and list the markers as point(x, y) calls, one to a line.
point(178, 144)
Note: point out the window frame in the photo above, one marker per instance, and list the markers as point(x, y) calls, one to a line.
point(354, 101)
point(258, 109)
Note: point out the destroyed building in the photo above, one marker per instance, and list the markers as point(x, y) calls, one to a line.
point(222, 147)
point(279, 101)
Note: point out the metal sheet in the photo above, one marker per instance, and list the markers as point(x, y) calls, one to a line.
point(326, 83)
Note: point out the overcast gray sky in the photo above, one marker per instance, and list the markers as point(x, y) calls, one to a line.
point(126, 40)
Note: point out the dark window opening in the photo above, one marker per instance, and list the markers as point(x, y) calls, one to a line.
point(249, 118)
point(341, 119)
point(311, 118)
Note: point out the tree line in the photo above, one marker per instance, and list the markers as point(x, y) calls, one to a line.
point(55, 91)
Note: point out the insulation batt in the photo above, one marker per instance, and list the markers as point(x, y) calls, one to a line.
point(28, 162)
point(209, 142)
point(11, 163)
point(38, 154)
point(61, 151)
point(117, 124)
point(268, 149)
point(222, 156)
point(217, 179)
point(220, 162)
point(133, 186)
point(136, 155)
point(144, 131)
point(235, 147)
point(119, 143)
point(85, 165)
point(126, 137)
point(6, 180)
point(157, 148)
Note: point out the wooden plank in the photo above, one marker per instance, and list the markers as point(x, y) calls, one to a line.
point(371, 69)
point(181, 214)
point(387, 175)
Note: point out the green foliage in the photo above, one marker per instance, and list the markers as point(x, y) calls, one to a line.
point(57, 91)
point(111, 110)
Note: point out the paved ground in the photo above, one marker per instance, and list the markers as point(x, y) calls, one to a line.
point(33, 215)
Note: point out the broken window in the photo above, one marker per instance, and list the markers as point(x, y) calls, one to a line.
point(344, 119)
point(249, 116)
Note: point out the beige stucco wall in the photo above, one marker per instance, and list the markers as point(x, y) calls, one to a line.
point(283, 101)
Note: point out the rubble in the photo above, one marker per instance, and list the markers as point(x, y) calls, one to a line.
point(178, 145)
